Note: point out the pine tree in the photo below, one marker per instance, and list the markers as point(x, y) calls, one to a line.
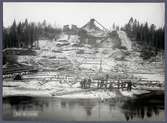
point(13, 35)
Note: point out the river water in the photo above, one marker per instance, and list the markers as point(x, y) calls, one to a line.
point(115, 109)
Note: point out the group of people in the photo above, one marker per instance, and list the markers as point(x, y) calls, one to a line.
point(110, 84)
point(125, 84)
point(105, 83)
point(129, 86)
point(86, 83)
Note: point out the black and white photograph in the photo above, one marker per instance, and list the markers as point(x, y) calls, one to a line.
point(83, 61)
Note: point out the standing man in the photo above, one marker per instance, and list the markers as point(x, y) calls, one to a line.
point(111, 85)
point(129, 88)
point(123, 85)
point(89, 82)
point(118, 83)
point(106, 82)
point(98, 83)
point(102, 83)
point(81, 83)
point(84, 83)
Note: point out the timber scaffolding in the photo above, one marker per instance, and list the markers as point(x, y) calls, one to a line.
point(106, 82)
point(22, 71)
point(10, 55)
point(123, 83)
point(116, 86)
point(19, 51)
point(12, 70)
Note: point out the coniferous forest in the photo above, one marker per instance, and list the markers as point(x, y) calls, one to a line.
point(23, 34)
point(150, 38)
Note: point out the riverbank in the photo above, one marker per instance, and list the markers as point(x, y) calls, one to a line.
point(72, 93)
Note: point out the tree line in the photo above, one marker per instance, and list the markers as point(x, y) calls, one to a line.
point(24, 34)
point(150, 38)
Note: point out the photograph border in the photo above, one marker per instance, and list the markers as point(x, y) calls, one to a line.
point(99, 1)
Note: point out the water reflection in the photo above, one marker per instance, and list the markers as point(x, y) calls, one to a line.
point(117, 109)
point(63, 104)
point(88, 105)
point(142, 108)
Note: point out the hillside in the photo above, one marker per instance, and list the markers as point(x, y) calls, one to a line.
point(82, 55)
point(64, 62)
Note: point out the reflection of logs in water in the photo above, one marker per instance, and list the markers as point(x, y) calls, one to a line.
point(88, 106)
point(141, 112)
point(142, 108)
point(92, 109)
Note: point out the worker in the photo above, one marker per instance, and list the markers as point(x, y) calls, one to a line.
point(102, 83)
point(89, 82)
point(111, 85)
point(84, 83)
point(123, 85)
point(98, 83)
point(118, 84)
point(81, 83)
point(129, 87)
point(106, 81)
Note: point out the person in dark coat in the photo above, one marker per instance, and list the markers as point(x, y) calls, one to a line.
point(98, 83)
point(123, 85)
point(102, 83)
point(81, 83)
point(129, 87)
point(106, 81)
point(84, 83)
point(89, 83)
point(111, 85)
point(118, 84)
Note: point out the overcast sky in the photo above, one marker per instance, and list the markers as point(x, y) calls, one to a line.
point(79, 13)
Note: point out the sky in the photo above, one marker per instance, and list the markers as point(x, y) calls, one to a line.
point(59, 14)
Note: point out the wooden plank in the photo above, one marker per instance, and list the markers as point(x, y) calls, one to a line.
point(19, 51)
